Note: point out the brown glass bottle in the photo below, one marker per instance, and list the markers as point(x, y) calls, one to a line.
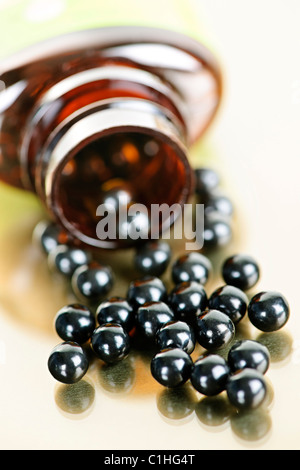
point(103, 108)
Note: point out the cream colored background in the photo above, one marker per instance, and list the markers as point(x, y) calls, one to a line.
point(255, 145)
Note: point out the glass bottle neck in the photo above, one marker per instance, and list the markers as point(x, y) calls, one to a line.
point(102, 108)
point(105, 119)
point(130, 143)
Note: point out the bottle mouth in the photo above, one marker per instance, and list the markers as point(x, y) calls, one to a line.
point(117, 173)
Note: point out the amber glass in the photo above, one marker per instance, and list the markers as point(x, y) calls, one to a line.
point(104, 106)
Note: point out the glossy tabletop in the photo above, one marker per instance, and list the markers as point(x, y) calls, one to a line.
point(254, 144)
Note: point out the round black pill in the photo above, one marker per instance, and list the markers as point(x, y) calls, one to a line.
point(186, 300)
point(66, 259)
point(49, 235)
point(147, 289)
point(151, 316)
point(229, 300)
point(241, 271)
point(116, 310)
point(246, 389)
point(218, 203)
point(192, 266)
point(135, 227)
point(68, 362)
point(206, 180)
point(268, 311)
point(171, 367)
point(92, 281)
point(116, 198)
point(214, 330)
point(176, 334)
point(217, 230)
point(75, 322)
point(153, 258)
point(110, 342)
point(210, 374)
point(249, 354)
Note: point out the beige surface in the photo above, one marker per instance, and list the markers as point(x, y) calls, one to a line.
point(255, 145)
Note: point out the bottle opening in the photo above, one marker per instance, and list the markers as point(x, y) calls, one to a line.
point(114, 172)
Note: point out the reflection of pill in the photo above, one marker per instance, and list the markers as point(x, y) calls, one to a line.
point(75, 398)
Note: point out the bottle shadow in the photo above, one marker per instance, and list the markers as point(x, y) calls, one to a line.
point(27, 286)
